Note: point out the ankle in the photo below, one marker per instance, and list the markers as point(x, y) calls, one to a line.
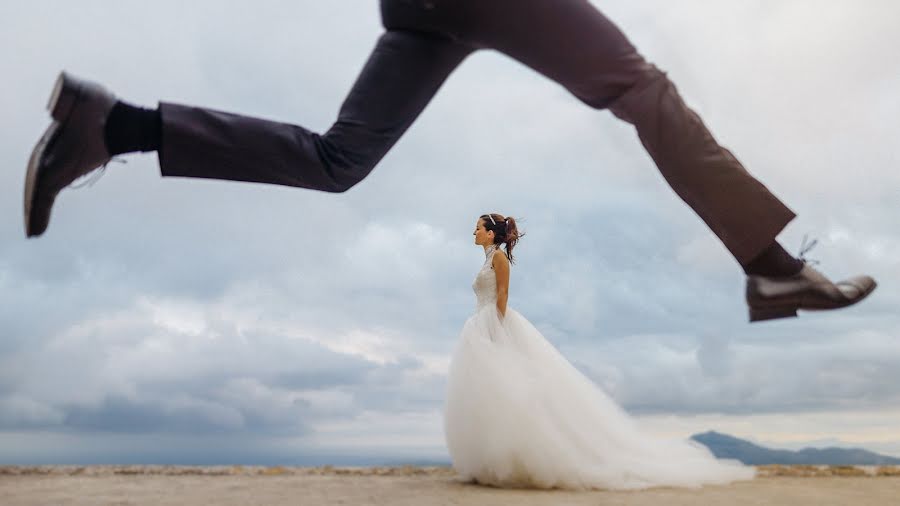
point(773, 261)
point(130, 128)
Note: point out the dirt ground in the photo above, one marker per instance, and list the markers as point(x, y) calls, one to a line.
point(167, 485)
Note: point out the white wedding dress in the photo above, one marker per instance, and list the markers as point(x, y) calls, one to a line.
point(518, 414)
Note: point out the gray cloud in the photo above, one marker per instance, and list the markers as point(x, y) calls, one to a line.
point(181, 306)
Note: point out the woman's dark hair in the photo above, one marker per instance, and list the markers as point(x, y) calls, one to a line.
point(505, 231)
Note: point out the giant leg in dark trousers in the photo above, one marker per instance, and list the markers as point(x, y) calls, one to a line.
point(569, 41)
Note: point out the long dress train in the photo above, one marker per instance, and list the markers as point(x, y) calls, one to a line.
point(518, 414)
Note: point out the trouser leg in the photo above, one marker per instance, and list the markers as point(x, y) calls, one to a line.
point(739, 209)
point(574, 44)
point(402, 74)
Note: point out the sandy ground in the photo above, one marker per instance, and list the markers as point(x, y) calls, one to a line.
point(143, 485)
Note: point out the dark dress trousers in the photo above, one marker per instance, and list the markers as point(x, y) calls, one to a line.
point(568, 41)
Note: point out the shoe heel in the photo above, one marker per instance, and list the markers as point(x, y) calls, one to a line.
point(63, 97)
point(758, 314)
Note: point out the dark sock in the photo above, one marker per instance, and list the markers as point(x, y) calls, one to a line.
point(773, 261)
point(130, 128)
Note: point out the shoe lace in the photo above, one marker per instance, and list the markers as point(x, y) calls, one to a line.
point(805, 248)
point(94, 176)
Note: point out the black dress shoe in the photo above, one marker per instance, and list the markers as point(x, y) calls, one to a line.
point(72, 146)
point(780, 297)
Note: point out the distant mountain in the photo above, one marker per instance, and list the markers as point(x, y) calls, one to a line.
point(730, 447)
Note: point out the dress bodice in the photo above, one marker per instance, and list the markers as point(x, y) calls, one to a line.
point(485, 284)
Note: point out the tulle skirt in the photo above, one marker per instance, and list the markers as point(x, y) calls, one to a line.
point(518, 414)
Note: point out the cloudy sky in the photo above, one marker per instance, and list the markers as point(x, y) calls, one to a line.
point(193, 321)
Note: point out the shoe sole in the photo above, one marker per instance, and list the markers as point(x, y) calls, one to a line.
point(63, 97)
point(776, 312)
point(762, 314)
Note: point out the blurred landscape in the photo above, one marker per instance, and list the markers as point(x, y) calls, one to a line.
point(730, 447)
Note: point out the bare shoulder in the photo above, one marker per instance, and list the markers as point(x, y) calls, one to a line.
point(500, 259)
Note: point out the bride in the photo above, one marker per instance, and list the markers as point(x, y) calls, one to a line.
point(518, 414)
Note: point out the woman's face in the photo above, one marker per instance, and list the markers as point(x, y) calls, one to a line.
point(482, 236)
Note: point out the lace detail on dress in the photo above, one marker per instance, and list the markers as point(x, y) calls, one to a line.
point(485, 284)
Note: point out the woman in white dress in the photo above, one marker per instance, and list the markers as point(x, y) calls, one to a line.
point(518, 414)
